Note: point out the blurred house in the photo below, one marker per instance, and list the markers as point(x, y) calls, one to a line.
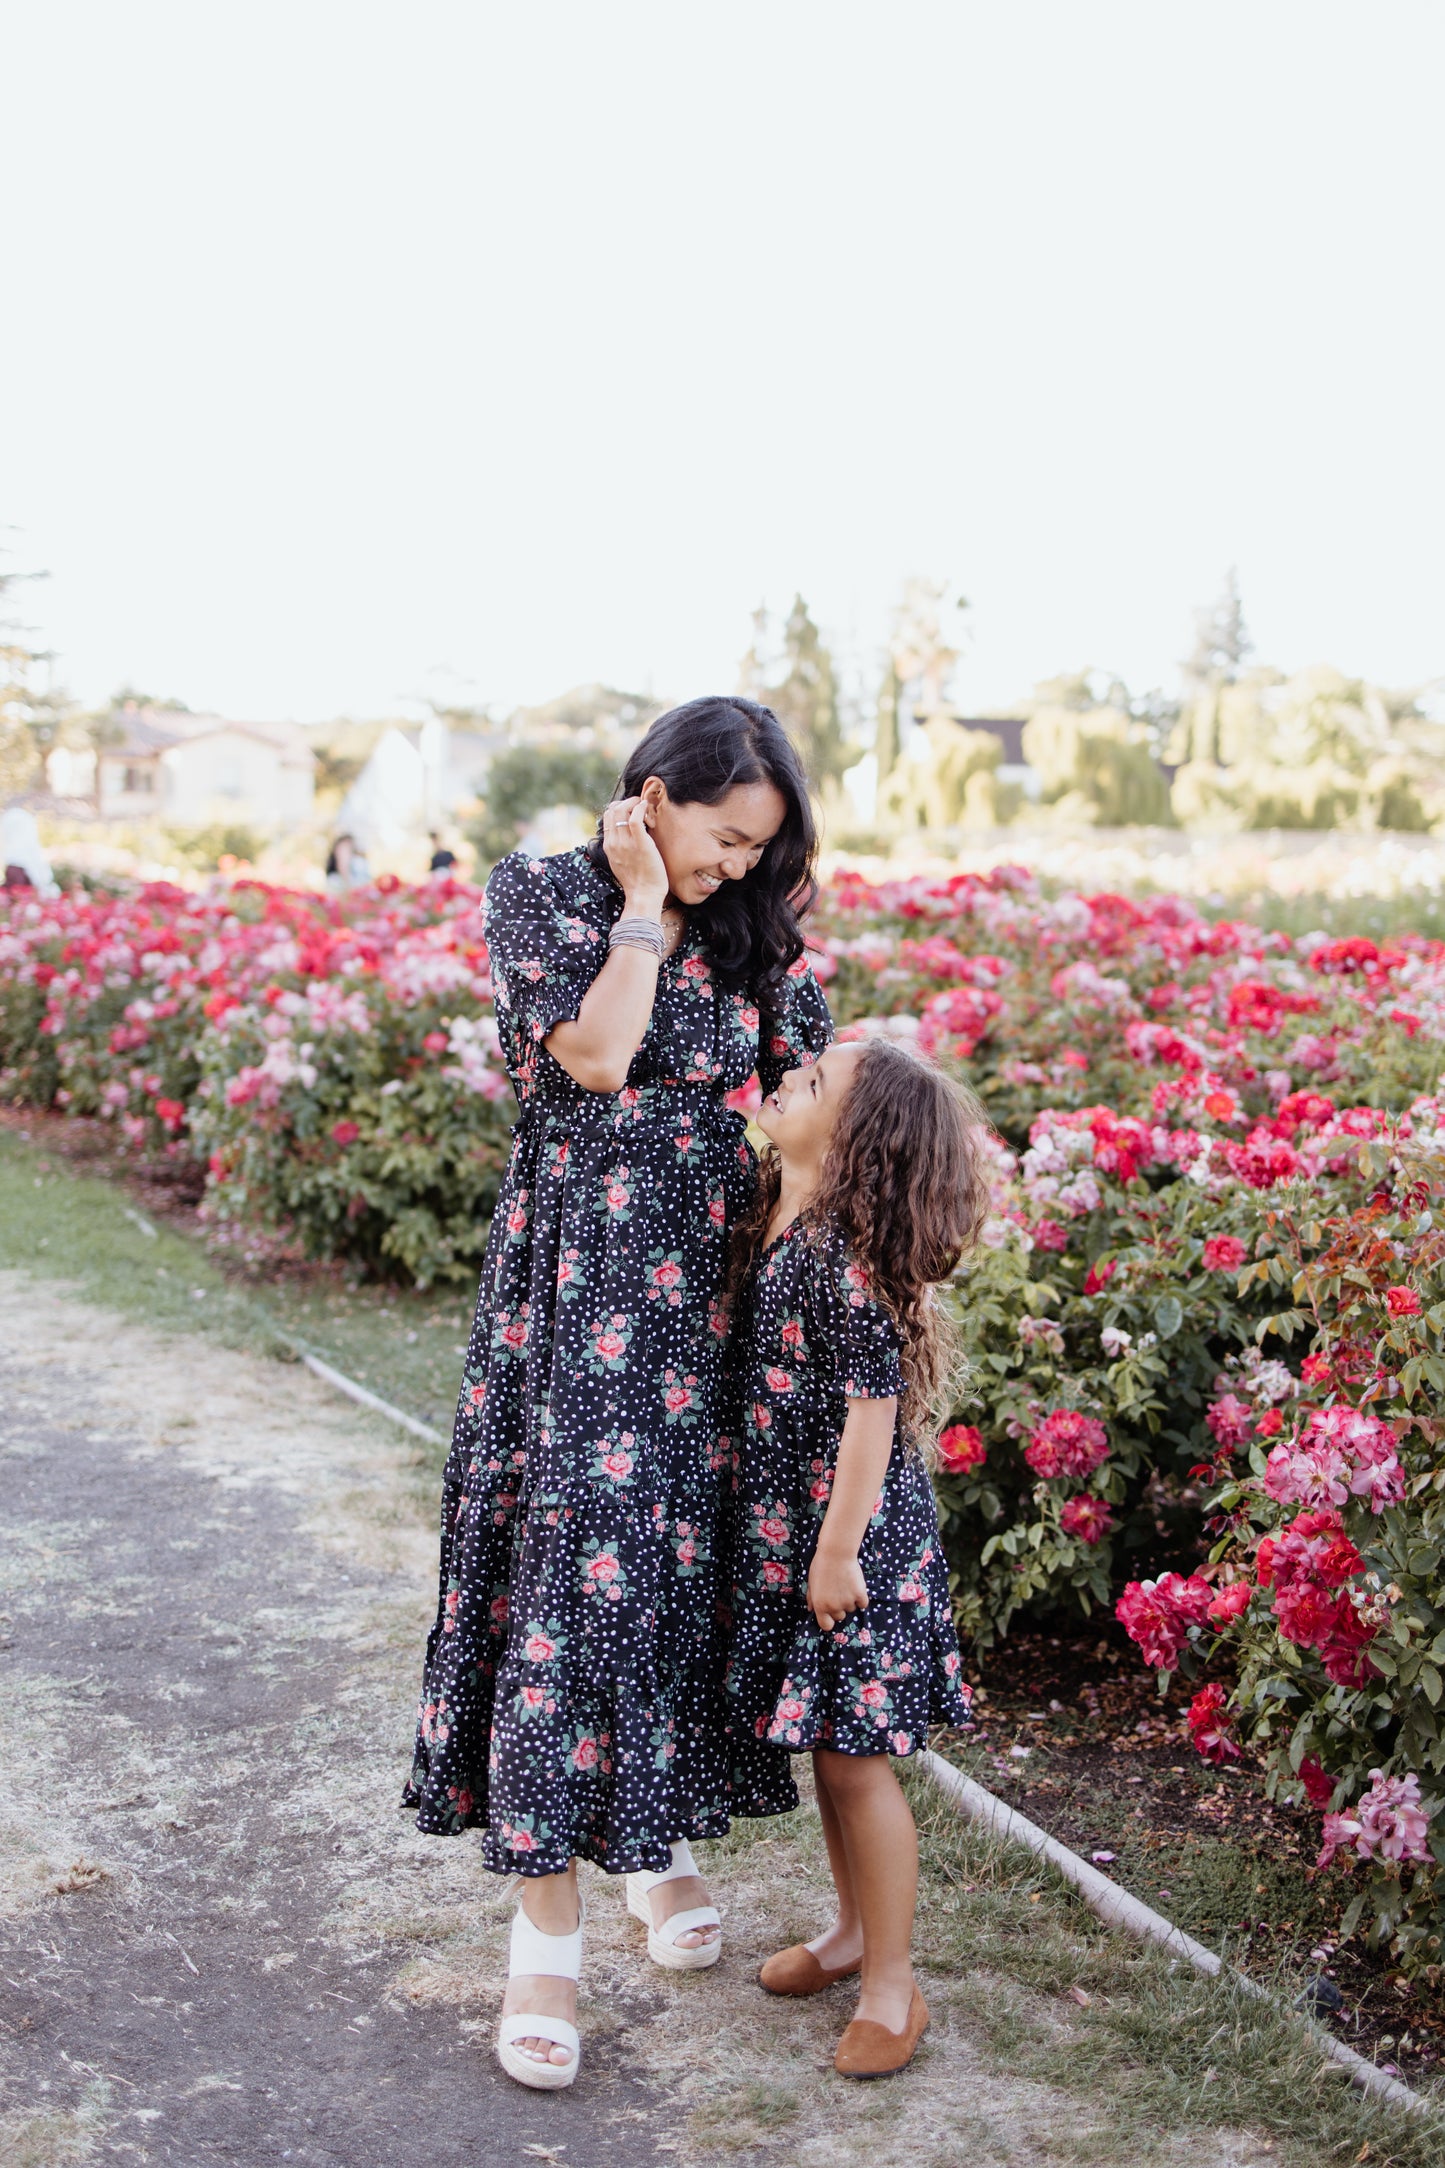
point(194, 770)
point(1014, 764)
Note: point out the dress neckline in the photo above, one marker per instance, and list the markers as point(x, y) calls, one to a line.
point(781, 1236)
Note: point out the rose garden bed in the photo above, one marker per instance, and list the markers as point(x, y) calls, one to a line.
point(1206, 1327)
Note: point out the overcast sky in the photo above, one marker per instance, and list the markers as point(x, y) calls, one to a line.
point(357, 352)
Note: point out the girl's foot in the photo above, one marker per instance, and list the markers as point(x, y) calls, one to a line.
point(840, 1949)
point(887, 2003)
point(799, 1971)
point(545, 1996)
point(870, 2049)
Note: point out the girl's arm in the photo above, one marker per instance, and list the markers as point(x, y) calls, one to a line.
point(597, 1048)
point(835, 1579)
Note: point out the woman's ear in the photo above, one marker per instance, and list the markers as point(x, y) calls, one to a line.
point(654, 794)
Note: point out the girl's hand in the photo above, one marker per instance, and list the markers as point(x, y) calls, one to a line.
point(835, 1587)
point(635, 860)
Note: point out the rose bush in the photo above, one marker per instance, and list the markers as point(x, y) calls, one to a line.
point(1206, 1328)
point(329, 1066)
point(1323, 1593)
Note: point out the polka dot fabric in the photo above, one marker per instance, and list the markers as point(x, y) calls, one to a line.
point(809, 1338)
point(571, 1699)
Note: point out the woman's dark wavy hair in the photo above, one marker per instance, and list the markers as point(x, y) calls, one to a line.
point(905, 1178)
point(751, 929)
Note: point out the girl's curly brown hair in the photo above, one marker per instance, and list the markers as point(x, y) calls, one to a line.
point(905, 1179)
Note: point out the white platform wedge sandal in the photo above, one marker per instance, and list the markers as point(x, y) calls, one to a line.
point(559, 1957)
point(662, 1941)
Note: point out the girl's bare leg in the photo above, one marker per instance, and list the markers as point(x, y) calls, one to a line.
point(880, 1845)
point(842, 1943)
point(550, 1902)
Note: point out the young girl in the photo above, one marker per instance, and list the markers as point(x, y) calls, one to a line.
point(842, 1639)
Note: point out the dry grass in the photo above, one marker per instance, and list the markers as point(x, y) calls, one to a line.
point(51, 2140)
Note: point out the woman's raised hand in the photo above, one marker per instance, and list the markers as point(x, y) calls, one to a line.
point(635, 860)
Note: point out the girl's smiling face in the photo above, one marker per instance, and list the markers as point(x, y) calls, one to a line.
point(799, 1116)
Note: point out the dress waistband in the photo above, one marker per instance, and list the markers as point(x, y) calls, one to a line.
point(662, 1108)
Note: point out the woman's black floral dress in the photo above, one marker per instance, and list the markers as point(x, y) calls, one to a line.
point(809, 1338)
point(571, 1701)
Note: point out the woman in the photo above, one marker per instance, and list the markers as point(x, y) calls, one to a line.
point(571, 1702)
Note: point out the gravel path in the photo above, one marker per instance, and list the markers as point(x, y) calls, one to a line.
point(203, 1874)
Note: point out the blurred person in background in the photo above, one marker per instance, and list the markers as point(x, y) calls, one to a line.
point(442, 859)
point(21, 855)
point(346, 866)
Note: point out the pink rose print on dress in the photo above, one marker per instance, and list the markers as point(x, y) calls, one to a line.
point(610, 1339)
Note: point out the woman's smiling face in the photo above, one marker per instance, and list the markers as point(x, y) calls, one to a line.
point(799, 1116)
point(704, 845)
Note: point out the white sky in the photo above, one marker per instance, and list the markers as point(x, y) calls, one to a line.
point(355, 351)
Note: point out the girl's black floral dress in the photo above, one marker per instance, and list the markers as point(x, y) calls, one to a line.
point(808, 1338)
point(571, 1699)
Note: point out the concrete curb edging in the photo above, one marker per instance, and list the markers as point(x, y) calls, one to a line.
point(1116, 1908)
point(343, 1384)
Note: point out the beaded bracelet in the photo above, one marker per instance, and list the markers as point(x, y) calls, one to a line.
point(640, 933)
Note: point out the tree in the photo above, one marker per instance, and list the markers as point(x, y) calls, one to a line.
point(800, 685)
point(885, 739)
point(1221, 638)
point(29, 719)
point(929, 632)
point(525, 779)
point(1094, 755)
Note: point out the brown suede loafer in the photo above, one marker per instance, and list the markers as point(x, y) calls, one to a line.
point(796, 1971)
point(869, 2050)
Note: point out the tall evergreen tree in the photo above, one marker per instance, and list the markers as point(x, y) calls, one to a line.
point(800, 685)
point(885, 740)
point(29, 719)
point(1221, 638)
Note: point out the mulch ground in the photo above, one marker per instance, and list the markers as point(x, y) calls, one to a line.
point(1072, 1732)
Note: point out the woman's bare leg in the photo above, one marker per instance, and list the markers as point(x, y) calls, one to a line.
point(550, 1902)
point(880, 1845)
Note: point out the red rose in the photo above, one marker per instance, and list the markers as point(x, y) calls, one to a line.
point(1399, 1301)
point(1087, 1517)
point(1319, 1785)
point(960, 1448)
point(1224, 1253)
point(345, 1132)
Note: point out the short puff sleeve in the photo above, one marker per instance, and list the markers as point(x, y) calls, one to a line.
point(543, 958)
point(801, 1029)
point(859, 1337)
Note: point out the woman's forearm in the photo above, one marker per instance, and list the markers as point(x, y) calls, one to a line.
point(597, 1049)
point(864, 1452)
